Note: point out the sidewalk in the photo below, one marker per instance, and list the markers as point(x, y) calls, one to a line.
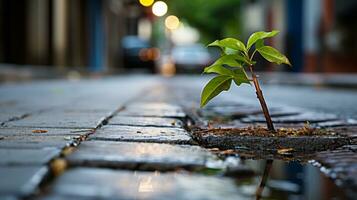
point(127, 138)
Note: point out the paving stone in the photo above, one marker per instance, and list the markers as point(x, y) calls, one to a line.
point(153, 110)
point(8, 197)
point(36, 141)
point(153, 105)
point(142, 134)
point(117, 184)
point(337, 123)
point(27, 156)
point(349, 131)
point(244, 110)
point(59, 119)
point(20, 180)
point(340, 165)
point(303, 117)
point(144, 156)
point(146, 121)
point(36, 131)
point(233, 140)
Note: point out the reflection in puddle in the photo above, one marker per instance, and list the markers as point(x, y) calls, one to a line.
point(145, 184)
point(264, 179)
point(288, 180)
point(148, 183)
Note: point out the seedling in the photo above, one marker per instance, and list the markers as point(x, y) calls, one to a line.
point(235, 58)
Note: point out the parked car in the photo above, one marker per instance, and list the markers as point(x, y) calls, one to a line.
point(190, 58)
point(138, 54)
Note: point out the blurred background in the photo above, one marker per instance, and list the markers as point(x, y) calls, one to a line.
point(47, 38)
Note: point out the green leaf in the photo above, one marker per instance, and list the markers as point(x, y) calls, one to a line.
point(273, 55)
point(218, 69)
point(214, 87)
point(233, 44)
point(259, 43)
point(259, 36)
point(230, 43)
point(230, 60)
point(229, 51)
point(215, 43)
point(240, 76)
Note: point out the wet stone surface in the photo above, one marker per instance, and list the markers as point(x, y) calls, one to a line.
point(23, 142)
point(153, 110)
point(244, 110)
point(19, 181)
point(143, 156)
point(142, 134)
point(303, 117)
point(153, 105)
point(27, 157)
point(117, 184)
point(36, 131)
point(146, 121)
point(147, 117)
point(341, 166)
point(299, 144)
point(349, 131)
point(60, 119)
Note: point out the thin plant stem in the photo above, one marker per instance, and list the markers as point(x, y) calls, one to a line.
point(259, 191)
point(260, 96)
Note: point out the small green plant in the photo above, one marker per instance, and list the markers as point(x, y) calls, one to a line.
point(235, 57)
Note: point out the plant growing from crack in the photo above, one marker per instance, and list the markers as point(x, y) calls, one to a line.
point(235, 58)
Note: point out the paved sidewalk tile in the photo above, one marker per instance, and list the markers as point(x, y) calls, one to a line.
point(59, 119)
point(340, 164)
point(21, 142)
point(153, 110)
point(95, 183)
point(36, 131)
point(20, 180)
point(246, 110)
point(27, 156)
point(142, 134)
point(143, 156)
point(146, 121)
point(153, 105)
point(303, 117)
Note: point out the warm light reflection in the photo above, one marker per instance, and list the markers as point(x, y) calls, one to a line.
point(146, 3)
point(159, 8)
point(146, 185)
point(172, 22)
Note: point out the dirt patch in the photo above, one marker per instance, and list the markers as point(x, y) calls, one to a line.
point(283, 141)
point(263, 132)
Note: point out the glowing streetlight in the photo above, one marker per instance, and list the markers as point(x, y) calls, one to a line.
point(172, 22)
point(159, 8)
point(146, 3)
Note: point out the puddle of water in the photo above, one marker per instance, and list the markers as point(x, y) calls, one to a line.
point(290, 180)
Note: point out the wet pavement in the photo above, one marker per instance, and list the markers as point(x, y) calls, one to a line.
point(131, 138)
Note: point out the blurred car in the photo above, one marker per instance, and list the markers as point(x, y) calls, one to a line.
point(190, 58)
point(138, 54)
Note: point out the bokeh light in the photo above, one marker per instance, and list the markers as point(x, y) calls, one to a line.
point(146, 3)
point(172, 22)
point(159, 8)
